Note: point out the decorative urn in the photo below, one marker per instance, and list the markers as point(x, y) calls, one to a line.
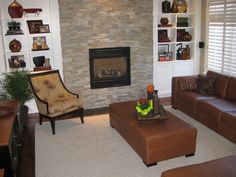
point(15, 10)
point(164, 21)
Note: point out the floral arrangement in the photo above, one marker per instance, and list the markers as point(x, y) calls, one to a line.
point(144, 106)
point(145, 103)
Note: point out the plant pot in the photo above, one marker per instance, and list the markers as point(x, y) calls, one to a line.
point(23, 115)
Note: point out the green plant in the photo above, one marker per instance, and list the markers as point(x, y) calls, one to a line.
point(16, 86)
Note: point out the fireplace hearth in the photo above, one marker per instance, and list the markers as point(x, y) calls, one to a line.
point(109, 67)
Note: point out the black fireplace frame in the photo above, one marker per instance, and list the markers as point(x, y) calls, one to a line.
point(97, 53)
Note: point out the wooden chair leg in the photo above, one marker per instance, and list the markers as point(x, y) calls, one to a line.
point(40, 119)
point(53, 126)
point(82, 115)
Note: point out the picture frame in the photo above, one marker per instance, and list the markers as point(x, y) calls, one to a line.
point(179, 50)
point(39, 43)
point(44, 28)
point(33, 26)
point(17, 61)
point(163, 48)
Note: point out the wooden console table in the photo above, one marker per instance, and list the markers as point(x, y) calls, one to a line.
point(10, 139)
point(1, 172)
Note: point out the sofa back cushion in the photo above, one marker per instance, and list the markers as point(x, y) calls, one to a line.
point(220, 83)
point(231, 90)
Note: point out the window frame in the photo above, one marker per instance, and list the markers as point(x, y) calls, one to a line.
point(223, 68)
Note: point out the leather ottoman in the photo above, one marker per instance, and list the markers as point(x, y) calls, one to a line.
point(223, 167)
point(153, 140)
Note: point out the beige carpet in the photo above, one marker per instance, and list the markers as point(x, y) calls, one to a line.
point(94, 149)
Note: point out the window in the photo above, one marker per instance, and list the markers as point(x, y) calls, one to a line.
point(222, 36)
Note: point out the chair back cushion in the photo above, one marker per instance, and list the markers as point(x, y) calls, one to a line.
point(49, 87)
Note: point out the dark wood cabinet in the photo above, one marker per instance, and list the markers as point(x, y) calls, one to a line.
point(10, 139)
point(1, 172)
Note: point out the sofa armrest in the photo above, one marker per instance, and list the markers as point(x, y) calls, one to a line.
point(180, 84)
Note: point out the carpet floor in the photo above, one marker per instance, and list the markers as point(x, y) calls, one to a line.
point(94, 149)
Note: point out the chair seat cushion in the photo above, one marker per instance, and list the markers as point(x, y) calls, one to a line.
point(63, 106)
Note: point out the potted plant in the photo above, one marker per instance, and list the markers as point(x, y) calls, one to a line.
point(15, 86)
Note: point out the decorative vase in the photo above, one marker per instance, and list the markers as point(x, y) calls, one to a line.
point(174, 7)
point(15, 10)
point(165, 6)
point(186, 53)
point(164, 21)
point(187, 37)
point(182, 6)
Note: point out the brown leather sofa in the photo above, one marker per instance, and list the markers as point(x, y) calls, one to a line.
point(223, 167)
point(217, 111)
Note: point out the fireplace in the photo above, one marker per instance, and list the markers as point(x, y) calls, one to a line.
point(109, 67)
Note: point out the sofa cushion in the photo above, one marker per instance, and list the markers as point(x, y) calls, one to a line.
point(227, 126)
point(231, 88)
point(190, 98)
point(214, 107)
point(223, 167)
point(188, 84)
point(220, 83)
point(206, 84)
point(220, 104)
point(229, 119)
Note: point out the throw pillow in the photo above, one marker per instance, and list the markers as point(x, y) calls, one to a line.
point(188, 84)
point(206, 84)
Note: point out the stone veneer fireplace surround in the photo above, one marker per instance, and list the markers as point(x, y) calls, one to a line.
point(109, 67)
point(101, 24)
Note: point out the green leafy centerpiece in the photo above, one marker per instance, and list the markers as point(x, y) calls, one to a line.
point(144, 106)
point(148, 107)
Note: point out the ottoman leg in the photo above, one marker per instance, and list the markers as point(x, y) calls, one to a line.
point(150, 164)
point(190, 155)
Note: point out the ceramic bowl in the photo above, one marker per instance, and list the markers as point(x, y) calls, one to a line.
point(39, 61)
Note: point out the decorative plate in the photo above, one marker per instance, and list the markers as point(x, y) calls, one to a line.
point(15, 45)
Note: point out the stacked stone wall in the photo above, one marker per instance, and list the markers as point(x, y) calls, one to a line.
point(106, 23)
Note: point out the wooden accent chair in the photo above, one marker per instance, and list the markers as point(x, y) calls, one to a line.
point(53, 99)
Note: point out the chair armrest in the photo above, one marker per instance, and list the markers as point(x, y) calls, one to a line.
point(69, 92)
point(72, 94)
point(180, 84)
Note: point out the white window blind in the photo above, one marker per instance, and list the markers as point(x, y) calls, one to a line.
point(222, 36)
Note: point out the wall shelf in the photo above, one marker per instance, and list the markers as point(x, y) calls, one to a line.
point(181, 23)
